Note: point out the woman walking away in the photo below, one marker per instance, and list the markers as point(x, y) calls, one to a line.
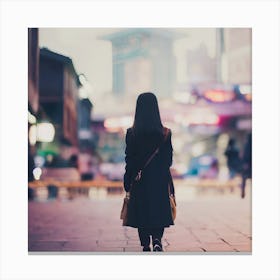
point(233, 162)
point(246, 163)
point(149, 206)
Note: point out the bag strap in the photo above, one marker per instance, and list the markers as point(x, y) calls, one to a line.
point(154, 153)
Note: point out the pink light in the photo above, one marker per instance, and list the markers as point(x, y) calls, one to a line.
point(219, 96)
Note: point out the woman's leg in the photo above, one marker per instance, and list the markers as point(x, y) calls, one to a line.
point(144, 237)
point(243, 184)
point(157, 234)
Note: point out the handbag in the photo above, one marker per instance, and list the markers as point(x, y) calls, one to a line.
point(173, 204)
point(172, 199)
point(125, 209)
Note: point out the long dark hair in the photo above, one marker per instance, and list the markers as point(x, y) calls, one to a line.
point(147, 117)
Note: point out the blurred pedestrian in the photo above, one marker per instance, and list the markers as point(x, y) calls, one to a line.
point(31, 166)
point(73, 161)
point(246, 163)
point(233, 161)
point(149, 206)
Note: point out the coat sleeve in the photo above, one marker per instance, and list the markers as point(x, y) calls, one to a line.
point(168, 160)
point(128, 160)
point(168, 150)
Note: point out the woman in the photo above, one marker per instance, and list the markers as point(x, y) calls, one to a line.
point(149, 206)
point(232, 154)
point(246, 163)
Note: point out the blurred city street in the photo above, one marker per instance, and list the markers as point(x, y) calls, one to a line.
point(207, 221)
point(83, 90)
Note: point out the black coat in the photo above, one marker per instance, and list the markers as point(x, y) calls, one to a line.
point(149, 204)
point(247, 159)
point(233, 161)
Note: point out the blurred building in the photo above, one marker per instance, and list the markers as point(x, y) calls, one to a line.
point(201, 68)
point(84, 124)
point(87, 164)
point(237, 67)
point(86, 144)
point(58, 90)
point(219, 106)
point(234, 49)
point(143, 60)
point(84, 107)
point(33, 92)
point(33, 70)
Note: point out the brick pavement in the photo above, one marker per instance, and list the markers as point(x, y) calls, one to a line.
point(210, 222)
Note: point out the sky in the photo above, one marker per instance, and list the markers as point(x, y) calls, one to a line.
point(92, 56)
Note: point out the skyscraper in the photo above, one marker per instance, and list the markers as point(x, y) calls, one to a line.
point(143, 60)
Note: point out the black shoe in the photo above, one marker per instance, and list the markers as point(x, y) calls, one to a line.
point(157, 246)
point(146, 249)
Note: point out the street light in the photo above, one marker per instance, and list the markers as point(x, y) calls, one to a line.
point(42, 132)
point(37, 172)
point(33, 134)
point(31, 118)
point(45, 132)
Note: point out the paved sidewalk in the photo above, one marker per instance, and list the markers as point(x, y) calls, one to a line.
point(205, 223)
